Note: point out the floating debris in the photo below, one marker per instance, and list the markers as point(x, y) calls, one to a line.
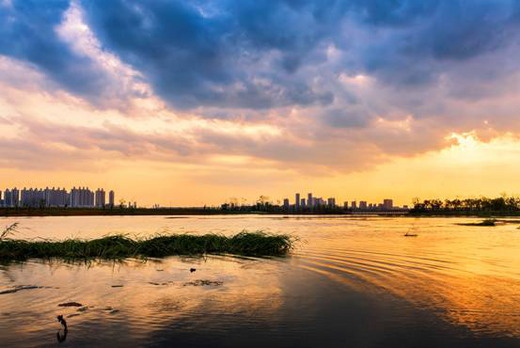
point(204, 282)
point(70, 304)
point(192, 270)
point(62, 337)
point(82, 309)
point(20, 288)
point(157, 284)
point(410, 235)
point(117, 286)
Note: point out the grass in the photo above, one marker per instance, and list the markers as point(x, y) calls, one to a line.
point(486, 222)
point(9, 230)
point(121, 246)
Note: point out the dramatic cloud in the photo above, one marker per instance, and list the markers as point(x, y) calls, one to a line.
point(314, 86)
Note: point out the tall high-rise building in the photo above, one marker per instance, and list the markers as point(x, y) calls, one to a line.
point(111, 198)
point(32, 197)
point(331, 202)
point(310, 202)
point(297, 202)
point(7, 198)
point(100, 198)
point(286, 203)
point(362, 204)
point(15, 194)
point(353, 205)
point(388, 204)
point(345, 205)
point(303, 203)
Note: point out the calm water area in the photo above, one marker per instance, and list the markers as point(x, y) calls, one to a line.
point(350, 282)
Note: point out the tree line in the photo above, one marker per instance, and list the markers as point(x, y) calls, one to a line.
point(503, 203)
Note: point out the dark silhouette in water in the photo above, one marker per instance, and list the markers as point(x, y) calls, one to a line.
point(62, 337)
point(408, 234)
point(192, 270)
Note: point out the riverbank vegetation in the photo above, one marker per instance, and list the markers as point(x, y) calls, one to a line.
point(483, 206)
point(486, 223)
point(121, 246)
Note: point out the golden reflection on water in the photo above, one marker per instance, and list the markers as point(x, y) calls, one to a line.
point(140, 297)
point(466, 275)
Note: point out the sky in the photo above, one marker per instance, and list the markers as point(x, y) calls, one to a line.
point(186, 103)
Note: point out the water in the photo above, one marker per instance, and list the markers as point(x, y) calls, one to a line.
point(350, 282)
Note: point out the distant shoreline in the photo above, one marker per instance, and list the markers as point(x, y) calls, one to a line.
point(28, 212)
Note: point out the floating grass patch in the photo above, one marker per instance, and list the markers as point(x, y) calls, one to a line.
point(121, 246)
point(486, 222)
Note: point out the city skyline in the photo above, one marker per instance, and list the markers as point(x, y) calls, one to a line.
point(305, 107)
point(330, 202)
point(77, 197)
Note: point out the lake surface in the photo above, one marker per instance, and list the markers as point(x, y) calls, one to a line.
point(351, 281)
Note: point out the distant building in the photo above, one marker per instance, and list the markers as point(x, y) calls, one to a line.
point(331, 202)
point(7, 198)
point(100, 198)
point(345, 205)
point(15, 197)
point(286, 203)
point(310, 201)
point(297, 202)
point(31, 197)
point(111, 198)
point(81, 197)
point(362, 204)
point(353, 205)
point(302, 203)
point(388, 204)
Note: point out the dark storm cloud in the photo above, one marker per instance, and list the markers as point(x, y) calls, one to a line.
point(418, 43)
point(229, 54)
point(259, 55)
point(27, 33)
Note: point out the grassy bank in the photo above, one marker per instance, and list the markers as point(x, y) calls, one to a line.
point(120, 246)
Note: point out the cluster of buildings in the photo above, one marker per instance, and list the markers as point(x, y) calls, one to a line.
point(309, 203)
point(301, 203)
point(81, 197)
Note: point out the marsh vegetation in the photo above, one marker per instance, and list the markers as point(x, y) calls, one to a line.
point(121, 246)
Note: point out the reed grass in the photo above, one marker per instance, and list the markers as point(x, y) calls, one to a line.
point(121, 246)
point(486, 222)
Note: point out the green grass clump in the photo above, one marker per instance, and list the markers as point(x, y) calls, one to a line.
point(121, 246)
point(486, 222)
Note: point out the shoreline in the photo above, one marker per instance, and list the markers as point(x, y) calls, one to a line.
point(43, 212)
point(28, 212)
